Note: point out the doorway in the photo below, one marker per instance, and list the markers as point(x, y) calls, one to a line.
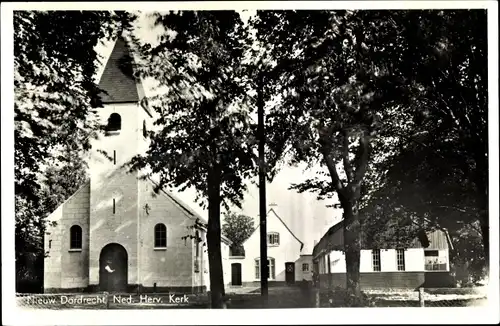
point(290, 273)
point(236, 274)
point(113, 268)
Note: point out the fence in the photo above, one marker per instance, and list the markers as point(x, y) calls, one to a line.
point(421, 297)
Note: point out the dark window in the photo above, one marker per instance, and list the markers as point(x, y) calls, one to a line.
point(114, 123)
point(434, 262)
point(160, 236)
point(305, 267)
point(401, 259)
point(197, 244)
point(376, 260)
point(273, 239)
point(144, 130)
point(75, 237)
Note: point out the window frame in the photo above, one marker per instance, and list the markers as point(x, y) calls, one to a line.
point(79, 237)
point(305, 269)
point(162, 230)
point(273, 235)
point(436, 265)
point(272, 268)
point(376, 258)
point(400, 260)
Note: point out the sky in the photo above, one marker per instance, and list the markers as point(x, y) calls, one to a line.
point(307, 217)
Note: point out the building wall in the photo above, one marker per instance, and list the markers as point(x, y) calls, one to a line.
point(67, 268)
point(119, 227)
point(287, 251)
point(376, 280)
point(172, 266)
point(413, 276)
point(301, 274)
point(201, 279)
point(109, 181)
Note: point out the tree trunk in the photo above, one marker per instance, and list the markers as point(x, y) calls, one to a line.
point(352, 248)
point(214, 240)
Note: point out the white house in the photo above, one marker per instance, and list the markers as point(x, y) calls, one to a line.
point(287, 262)
point(424, 262)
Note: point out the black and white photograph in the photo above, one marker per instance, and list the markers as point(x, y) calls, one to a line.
point(253, 159)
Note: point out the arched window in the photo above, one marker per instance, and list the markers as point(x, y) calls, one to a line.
point(160, 236)
point(75, 234)
point(271, 268)
point(114, 123)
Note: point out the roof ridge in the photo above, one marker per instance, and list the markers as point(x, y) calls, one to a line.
point(87, 182)
point(117, 81)
point(286, 226)
point(191, 213)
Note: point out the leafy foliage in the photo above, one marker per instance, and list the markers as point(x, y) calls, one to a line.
point(204, 133)
point(54, 88)
point(237, 228)
point(362, 90)
point(54, 93)
point(61, 179)
point(339, 86)
point(440, 173)
point(205, 102)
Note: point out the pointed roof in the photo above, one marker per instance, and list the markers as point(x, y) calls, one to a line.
point(190, 213)
point(286, 226)
point(117, 82)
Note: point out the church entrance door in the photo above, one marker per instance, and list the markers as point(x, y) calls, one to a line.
point(113, 268)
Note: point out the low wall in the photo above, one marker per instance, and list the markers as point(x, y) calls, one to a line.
point(439, 279)
point(377, 280)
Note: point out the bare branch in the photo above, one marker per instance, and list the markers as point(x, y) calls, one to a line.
point(455, 208)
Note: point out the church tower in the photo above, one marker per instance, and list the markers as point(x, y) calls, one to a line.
point(115, 233)
point(114, 190)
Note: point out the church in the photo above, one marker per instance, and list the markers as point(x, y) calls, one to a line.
point(115, 233)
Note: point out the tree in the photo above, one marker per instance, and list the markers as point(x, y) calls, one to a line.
point(54, 87)
point(453, 121)
point(440, 173)
point(336, 74)
point(204, 136)
point(358, 87)
point(237, 228)
point(63, 176)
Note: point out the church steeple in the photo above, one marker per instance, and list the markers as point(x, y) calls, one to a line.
point(117, 82)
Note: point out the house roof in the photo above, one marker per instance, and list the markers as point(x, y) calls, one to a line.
point(117, 82)
point(438, 239)
point(323, 243)
point(286, 226)
point(188, 211)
